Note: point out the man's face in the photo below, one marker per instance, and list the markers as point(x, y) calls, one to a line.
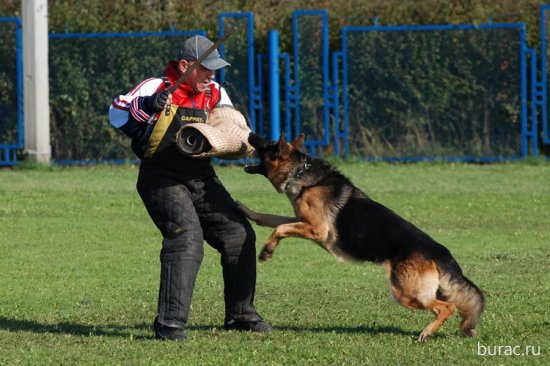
point(199, 79)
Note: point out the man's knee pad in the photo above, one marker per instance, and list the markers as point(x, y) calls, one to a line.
point(186, 246)
point(239, 240)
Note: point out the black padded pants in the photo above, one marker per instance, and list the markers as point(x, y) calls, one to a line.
point(187, 212)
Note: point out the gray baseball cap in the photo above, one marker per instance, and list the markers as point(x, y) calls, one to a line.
point(195, 46)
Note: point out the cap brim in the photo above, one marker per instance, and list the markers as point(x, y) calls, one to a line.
point(215, 64)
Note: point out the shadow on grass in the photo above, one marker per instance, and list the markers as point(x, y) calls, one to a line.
point(359, 329)
point(84, 330)
point(22, 325)
point(373, 330)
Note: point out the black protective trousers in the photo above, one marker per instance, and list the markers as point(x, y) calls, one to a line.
point(188, 212)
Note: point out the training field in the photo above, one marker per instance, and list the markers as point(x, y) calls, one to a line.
point(79, 272)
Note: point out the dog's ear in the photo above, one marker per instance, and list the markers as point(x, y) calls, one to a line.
point(282, 138)
point(298, 143)
point(283, 145)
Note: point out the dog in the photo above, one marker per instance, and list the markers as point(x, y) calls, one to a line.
point(344, 221)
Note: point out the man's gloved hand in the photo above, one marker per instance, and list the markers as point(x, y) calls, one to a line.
point(142, 108)
point(156, 102)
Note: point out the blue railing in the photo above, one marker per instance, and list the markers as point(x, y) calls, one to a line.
point(376, 119)
point(10, 149)
point(309, 43)
point(253, 91)
point(322, 99)
point(543, 86)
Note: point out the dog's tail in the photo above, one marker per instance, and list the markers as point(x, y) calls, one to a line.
point(454, 287)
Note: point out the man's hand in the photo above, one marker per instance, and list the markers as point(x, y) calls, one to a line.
point(142, 108)
point(156, 102)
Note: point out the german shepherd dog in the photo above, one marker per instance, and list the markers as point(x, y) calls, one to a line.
point(344, 221)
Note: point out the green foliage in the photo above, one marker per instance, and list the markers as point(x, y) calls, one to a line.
point(85, 79)
point(8, 84)
point(435, 93)
point(458, 84)
point(310, 72)
point(236, 52)
point(138, 15)
point(80, 272)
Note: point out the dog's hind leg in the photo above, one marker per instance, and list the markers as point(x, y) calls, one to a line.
point(442, 310)
point(414, 283)
point(466, 296)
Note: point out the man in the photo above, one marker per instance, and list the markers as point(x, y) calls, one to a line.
point(183, 196)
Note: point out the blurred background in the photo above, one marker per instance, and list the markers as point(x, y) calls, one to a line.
point(373, 80)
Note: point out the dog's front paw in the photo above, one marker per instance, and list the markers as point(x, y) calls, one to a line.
point(267, 253)
point(469, 332)
point(424, 336)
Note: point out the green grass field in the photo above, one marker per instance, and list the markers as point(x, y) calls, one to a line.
point(79, 273)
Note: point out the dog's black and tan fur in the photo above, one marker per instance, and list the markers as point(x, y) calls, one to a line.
point(343, 220)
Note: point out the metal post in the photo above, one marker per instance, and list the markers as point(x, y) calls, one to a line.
point(35, 80)
point(274, 86)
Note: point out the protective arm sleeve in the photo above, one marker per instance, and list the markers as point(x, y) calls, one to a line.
point(130, 110)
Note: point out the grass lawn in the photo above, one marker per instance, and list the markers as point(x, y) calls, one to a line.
point(79, 273)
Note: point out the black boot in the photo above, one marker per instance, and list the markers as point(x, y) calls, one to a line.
point(257, 325)
point(164, 332)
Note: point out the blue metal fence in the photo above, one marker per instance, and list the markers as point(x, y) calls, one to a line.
point(87, 70)
point(543, 87)
point(241, 78)
point(531, 132)
point(435, 92)
point(11, 91)
point(311, 89)
point(398, 93)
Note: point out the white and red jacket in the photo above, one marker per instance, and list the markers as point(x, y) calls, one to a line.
point(187, 107)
